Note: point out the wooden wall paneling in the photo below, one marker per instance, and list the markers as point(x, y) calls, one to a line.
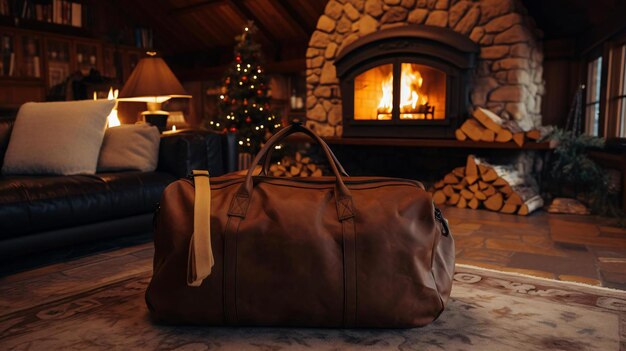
point(156, 14)
point(194, 119)
point(562, 70)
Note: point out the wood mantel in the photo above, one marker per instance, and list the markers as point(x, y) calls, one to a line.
point(444, 143)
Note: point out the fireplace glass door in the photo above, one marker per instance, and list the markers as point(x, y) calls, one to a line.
point(400, 91)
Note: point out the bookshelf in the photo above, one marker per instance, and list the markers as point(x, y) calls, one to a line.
point(33, 62)
point(44, 42)
point(61, 12)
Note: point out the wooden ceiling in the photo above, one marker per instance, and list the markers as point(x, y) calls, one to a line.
point(187, 26)
point(204, 30)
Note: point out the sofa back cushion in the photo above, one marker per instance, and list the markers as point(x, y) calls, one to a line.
point(130, 147)
point(59, 138)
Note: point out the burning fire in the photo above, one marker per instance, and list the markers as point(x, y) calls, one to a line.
point(411, 98)
point(113, 121)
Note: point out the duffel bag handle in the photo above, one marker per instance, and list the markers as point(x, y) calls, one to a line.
point(345, 208)
point(268, 162)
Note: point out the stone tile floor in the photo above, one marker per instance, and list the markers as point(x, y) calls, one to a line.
point(587, 249)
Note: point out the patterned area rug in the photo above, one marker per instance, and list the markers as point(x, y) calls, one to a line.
point(489, 310)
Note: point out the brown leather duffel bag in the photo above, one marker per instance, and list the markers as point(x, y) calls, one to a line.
point(317, 252)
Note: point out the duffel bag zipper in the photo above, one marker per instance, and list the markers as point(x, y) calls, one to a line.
point(444, 222)
point(310, 181)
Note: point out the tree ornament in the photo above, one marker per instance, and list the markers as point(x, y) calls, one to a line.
point(244, 108)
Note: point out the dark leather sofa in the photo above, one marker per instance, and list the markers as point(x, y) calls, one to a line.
point(43, 212)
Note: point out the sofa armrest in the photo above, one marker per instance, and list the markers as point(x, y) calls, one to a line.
point(182, 152)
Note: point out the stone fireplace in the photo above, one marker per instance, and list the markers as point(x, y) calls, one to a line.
point(412, 80)
point(416, 68)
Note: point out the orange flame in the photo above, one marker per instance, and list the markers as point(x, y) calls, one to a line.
point(410, 95)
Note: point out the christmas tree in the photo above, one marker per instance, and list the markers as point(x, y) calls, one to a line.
point(244, 100)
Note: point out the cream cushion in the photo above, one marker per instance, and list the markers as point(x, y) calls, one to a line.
point(60, 138)
point(130, 147)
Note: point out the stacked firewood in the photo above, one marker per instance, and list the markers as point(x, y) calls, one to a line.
point(479, 184)
point(487, 126)
point(296, 166)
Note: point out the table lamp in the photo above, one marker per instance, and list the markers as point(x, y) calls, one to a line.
point(153, 82)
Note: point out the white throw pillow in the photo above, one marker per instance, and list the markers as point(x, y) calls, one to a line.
point(130, 147)
point(57, 137)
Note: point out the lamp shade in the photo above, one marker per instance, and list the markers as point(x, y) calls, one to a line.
point(152, 81)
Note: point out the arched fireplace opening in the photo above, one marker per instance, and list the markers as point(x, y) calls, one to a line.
point(408, 81)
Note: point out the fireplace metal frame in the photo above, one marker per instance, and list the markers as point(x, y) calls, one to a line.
point(440, 48)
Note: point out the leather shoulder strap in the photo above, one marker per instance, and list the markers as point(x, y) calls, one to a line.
point(200, 251)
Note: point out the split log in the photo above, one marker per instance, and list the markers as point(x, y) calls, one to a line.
point(506, 190)
point(480, 195)
point(533, 134)
point(514, 199)
point(472, 129)
point(454, 199)
point(460, 135)
point(539, 133)
point(518, 138)
point(504, 136)
point(450, 179)
point(300, 166)
point(488, 119)
point(496, 187)
point(488, 174)
point(488, 136)
point(439, 197)
point(509, 174)
point(461, 185)
point(494, 202)
point(474, 188)
point(467, 194)
point(530, 205)
point(568, 205)
point(448, 191)
point(295, 170)
point(459, 172)
point(471, 170)
point(473, 203)
point(490, 191)
point(462, 203)
point(508, 208)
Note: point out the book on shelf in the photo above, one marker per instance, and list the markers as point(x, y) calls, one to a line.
point(8, 56)
point(5, 9)
point(143, 38)
point(77, 14)
point(64, 12)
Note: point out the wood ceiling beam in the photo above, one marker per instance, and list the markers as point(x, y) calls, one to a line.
point(177, 11)
point(300, 21)
point(245, 12)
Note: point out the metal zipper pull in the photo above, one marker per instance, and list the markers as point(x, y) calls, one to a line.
point(443, 221)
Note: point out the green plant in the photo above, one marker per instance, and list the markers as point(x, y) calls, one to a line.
point(573, 174)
